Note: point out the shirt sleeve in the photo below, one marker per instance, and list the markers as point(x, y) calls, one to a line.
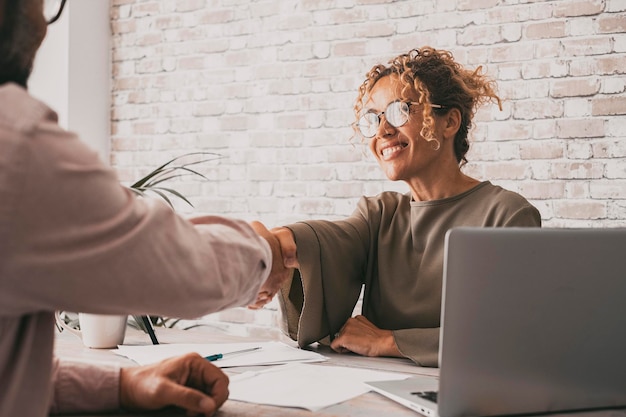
point(80, 241)
point(84, 387)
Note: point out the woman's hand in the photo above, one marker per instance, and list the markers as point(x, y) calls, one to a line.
point(360, 336)
point(287, 246)
point(283, 247)
point(189, 382)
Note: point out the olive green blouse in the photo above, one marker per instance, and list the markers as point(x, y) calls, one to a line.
point(394, 247)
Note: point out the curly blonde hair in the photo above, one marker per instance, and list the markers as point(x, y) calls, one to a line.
point(437, 79)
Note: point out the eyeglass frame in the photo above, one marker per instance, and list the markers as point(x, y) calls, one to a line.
point(378, 120)
point(58, 14)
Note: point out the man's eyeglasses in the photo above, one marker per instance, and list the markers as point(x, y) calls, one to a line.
point(396, 113)
point(52, 10)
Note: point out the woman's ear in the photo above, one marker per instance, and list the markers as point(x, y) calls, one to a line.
point(452, 122)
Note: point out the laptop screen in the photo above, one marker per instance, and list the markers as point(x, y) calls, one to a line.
point(533, 320)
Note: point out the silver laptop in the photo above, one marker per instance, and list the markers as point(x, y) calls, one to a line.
point(533, 321)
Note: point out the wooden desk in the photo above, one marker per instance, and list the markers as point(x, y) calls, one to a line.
point(367, 405)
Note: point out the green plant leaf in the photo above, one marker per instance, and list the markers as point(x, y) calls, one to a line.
point(162, 195)
point(167, 172)
point(162, 190)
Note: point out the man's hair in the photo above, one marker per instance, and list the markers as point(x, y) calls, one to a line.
point(16, 49)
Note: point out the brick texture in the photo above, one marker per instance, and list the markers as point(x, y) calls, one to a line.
point(270, 86)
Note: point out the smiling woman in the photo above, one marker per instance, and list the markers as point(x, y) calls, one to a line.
point(428, 76)
point(416, 113)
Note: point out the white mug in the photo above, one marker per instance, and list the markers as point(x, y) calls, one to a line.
point(98, 331)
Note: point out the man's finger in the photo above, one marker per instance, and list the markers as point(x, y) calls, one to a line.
point(262, 299)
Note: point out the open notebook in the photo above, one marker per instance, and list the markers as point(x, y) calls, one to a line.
point(533, 321)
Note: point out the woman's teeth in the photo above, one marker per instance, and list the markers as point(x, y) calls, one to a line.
point(388, 151)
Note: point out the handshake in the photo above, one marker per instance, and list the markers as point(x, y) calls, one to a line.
point(284, 260)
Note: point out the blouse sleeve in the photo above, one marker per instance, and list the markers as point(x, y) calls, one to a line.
point(419, 345)
point(323, 293)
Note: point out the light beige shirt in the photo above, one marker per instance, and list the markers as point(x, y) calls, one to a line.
point(394, 247)
point(72, 238)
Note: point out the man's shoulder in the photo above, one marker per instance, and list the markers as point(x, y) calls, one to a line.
point(19, 110)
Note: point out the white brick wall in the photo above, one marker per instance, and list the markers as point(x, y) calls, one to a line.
point(270, 86)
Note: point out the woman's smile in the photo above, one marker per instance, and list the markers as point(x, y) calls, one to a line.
point(391, 150)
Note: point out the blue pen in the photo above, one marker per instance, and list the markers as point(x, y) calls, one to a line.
point(221, 355)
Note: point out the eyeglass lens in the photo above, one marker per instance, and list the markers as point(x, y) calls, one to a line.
point(396, 113)
point(52, 10)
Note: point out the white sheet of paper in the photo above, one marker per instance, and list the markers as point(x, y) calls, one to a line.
point(312, 387)
point(271, 353)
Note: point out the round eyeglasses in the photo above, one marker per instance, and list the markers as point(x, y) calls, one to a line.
point(396, 114)
point(52, 10)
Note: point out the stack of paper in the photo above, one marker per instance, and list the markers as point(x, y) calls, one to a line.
point(270, 353)
point(292, 384)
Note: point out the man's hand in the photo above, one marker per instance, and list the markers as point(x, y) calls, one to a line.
point(360, 336)
point(279, 273)
point(189, 382)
